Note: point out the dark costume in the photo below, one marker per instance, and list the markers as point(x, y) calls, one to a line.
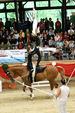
point(30, 54)
point(30, 66)
point(36, 50)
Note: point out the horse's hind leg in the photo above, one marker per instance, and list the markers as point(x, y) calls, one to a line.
point(24, 88)
point(51, 86)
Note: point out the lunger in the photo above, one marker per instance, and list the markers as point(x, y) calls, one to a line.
point(62, 95)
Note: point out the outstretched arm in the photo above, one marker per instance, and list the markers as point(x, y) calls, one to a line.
point(34, 11)
point(58, 93)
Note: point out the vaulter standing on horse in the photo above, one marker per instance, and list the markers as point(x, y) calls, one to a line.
point(29, 64)
point(36, 50)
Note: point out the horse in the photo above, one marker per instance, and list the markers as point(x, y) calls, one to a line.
point(50, 73)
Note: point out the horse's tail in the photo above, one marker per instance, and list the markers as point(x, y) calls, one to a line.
point(62, 73)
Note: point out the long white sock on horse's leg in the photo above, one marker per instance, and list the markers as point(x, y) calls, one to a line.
point(32, 95)
point(26, 92)
point(51, 93)
point(55, 90)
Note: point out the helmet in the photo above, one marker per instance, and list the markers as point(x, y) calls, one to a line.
point(63, 81)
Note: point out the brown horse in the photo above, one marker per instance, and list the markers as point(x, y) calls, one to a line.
point(50, 74)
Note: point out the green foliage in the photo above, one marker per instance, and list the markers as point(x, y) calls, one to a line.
point(42, 4)
point(72, 19)
point(52, 13)
point(4, 67)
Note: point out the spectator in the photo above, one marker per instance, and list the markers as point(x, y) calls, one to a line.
point(51, 32)
point(73, 26)
point(1, 24)
point(51, 23)
point(8, 48)
point(22, 33)
point(71, 44)
point(51, 42)
point(72, 55)
point(29, 25)
point(15, 24)
point(45, 40)
point(73, 38)
point(46, 53)
point(59, 44)
point(58, 26)
point(46, 24)
point(20, 45)
point(71, 33)
point(41, 26)
point(20, 38)
point(23, 25)
point(7, 34)
point(65, 36)
point(29, 40)
point(7, 25)
point(9, 38)
point(0, 33)
point(65, 43)
point(11, 33)
point(13, 41)
point(65, 49)
point(44, 33)
point(8, 45)
point(56, 38)
point(67, 23)
point(4, 39)
point(16, 34)
point(2, 46)
point(16, 47)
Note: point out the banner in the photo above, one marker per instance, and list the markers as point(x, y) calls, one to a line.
point(12, 56)
point(68, 68)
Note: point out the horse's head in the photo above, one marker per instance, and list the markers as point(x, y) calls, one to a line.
point(17, 70)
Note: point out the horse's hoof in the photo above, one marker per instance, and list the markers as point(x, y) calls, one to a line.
point(32, 96)
point(50, 95)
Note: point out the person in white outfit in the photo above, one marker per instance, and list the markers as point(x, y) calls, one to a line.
point(62, 95)
point(35, 24)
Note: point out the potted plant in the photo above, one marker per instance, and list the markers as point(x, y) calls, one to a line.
point(5, 84)
point(13, 85)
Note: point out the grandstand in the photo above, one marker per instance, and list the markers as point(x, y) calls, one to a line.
point(56, 26)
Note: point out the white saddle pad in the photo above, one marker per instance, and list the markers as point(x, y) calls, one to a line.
point(33, 74)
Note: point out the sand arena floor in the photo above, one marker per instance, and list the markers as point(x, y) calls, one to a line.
point(15, 101)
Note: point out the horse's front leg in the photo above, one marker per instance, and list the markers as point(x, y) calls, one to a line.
point(24, 88)
point(28, 85)
point(26, 92)
point(32, 94)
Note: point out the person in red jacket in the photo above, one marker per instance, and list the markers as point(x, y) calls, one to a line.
point(58, 26)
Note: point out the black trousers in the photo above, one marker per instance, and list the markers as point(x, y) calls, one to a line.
point(30, 67)
point(36, 51)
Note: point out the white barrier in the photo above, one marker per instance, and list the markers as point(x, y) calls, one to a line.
point(40, 84)
point(0, 86)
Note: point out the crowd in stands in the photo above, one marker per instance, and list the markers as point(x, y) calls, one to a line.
point(18, 36)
